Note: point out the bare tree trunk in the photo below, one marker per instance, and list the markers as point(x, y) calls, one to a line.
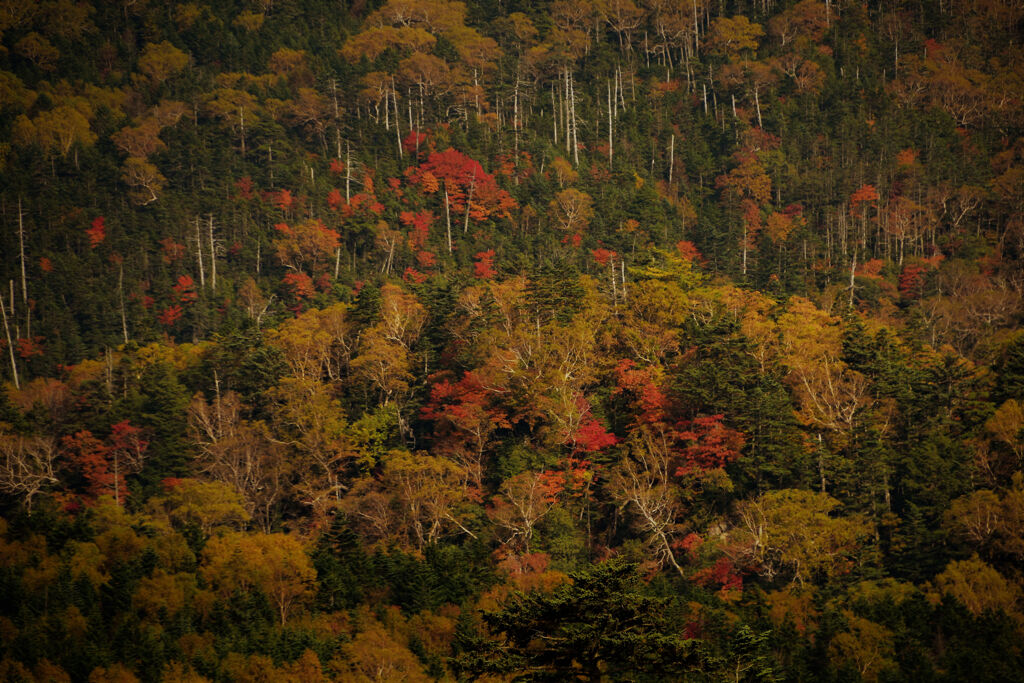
point(398, 133)
point(120, 289)
point(575, 139)
point(821, 466)
point(241, 127)
point(853, 272)
point(448, 217)
point(24, 280)
point(391, 257)
point(555, 111)
point(566, 124)
point(622, 90)
point(213, 257)
point(609, 124)
point(10, 344)
point(199, 255)
point(469, 200)
point(671, 157)
point(21, 249)
point(611, 271)
point(757, 102)
point(476, 92)
point(696, 34)
point(622, 268)
point(744, 248)
point(515, 118)
point(117, 479)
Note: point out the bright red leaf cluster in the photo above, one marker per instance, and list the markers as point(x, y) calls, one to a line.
point(97, 232)
point(185, 289)
point(483, 268)
point(419, 223)
point(170, 315)
point(698, 445)
point(911, 281)
point(29, 348)
point(865, 193)
point(244, 186)
point(299, 285)
point(709, 444)
point(688, 251)
point(466, 182)
point(603, 256)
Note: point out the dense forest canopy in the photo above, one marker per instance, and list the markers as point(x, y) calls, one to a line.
point(573, 340)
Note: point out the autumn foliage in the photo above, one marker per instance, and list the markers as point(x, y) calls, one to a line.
point(580, 340)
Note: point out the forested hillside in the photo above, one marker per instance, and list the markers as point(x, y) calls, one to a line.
point(511, 340)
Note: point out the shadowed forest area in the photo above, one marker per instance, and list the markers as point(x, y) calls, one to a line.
point(598, 340)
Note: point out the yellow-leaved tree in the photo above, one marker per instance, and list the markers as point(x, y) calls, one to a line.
point(792, 531)
point(275, 564)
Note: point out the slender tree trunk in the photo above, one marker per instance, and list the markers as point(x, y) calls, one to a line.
point(611, 272)
point(476, 92)
point(610, 155)
point(555, 111)
point(348, 172)
point(757, 102)
point(10, 343)
point(120, 289)
point(622, 268)
point(515, 118)
point(213, 257)
point(575, 139)
point(21, 250)
point(622, 89)
point(469, 199)
point(821, 466)
point(391, 255)
point(199, 255)
point(241, 127)
point(117, 479)
point(744, 248)
point(853, 272)
point(566, 124)
point(448, 217)
point(24, 280)
point(696, 31)
point(671, 157)
point(398, 133)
